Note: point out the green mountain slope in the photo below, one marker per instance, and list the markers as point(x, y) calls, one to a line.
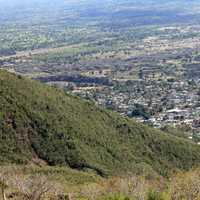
point(41, 122)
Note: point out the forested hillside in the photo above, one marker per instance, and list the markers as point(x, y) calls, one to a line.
point(44, 124)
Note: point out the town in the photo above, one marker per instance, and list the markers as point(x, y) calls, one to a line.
point(154, 99)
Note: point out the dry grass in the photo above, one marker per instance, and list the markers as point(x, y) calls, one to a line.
point(22, 186)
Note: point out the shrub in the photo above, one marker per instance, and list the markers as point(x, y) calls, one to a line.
point(153, 195)
point(117, 197)
point(186, 186)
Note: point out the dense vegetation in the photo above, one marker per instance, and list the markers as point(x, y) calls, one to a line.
point(43, 124)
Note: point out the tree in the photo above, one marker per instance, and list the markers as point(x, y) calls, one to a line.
point(140, 111)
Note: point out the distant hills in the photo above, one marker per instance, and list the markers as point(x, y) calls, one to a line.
point(41, 124)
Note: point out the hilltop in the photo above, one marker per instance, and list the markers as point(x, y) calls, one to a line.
point(42, 124)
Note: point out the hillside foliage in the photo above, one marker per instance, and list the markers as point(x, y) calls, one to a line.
point(41, 124)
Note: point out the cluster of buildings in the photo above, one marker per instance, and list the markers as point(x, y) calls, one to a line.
point(162, 102)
